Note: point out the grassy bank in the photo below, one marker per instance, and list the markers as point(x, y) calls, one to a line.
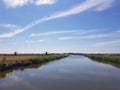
point(15, 61)
point(113, 59)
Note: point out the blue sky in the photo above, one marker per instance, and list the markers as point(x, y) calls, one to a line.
point(82, 26)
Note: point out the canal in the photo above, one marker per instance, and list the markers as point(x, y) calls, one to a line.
point(71, 73)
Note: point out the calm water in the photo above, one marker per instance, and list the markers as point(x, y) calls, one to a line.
point(71, 73)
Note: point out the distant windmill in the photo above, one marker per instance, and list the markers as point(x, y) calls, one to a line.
point(46, 53)
point(15, 53)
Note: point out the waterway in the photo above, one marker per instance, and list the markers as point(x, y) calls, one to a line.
point(71, 73)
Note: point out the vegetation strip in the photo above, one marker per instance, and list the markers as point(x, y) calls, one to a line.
point(113, 59)
point(8, 64)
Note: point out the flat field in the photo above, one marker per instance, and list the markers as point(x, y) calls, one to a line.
point(9, 58)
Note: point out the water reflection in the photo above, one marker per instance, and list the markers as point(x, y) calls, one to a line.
point(71, 73)
point(8, 72)
point(109, 63)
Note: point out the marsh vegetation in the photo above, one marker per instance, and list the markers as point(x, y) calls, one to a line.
point(24, 60)
point(113, 59)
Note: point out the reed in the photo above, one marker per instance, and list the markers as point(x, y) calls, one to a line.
point(28, 60)
point(105, 58)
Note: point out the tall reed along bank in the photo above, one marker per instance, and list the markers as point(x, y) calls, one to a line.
point(113, 59)
point(11, 61)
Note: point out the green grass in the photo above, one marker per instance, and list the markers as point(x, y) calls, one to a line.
point(2, 65)
point(110, 59)
point(46, 58)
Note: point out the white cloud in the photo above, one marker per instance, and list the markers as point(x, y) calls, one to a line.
point(81, 7)
point(107, 35)
point(107, 4)
point(41, 2)
point(99, 4)
point(15, 30)
point(16, 3)
point(107, 43)
point(88, 35)
point(79, 32)
point(20, 3)
point(41, 40)
point(9, 26)
point(34, 41)
point(11, 34)
point(54, 33)
point(96, 36)
point(87, 4)
point(29, 41)
point(68, 38)
point(82, 32)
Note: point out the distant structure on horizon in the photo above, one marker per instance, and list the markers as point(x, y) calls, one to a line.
point(46, 53)
point(15, 53)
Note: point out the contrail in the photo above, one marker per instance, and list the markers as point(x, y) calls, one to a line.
point(88, 4)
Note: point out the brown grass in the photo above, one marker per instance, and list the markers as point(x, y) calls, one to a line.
point(9, 58)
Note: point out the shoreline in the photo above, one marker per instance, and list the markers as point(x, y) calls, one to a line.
point(114, 60)
point(6, 65)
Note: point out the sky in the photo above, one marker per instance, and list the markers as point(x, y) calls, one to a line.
point(60, 26)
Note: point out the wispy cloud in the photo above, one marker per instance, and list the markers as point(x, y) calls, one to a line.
point(107, 43)
point(20, 3)
point(107, 4)
point(11, 34)
point(54, 33)
point(13, 28)
point(42, 2)
point(68, 38)
point(87, 4)
point(83, 31)
point(89, 35)
point(41, 40)
point(76, 32)
point(96, 36)
point(10, 26)
point(34, 41)
point(16, 3)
